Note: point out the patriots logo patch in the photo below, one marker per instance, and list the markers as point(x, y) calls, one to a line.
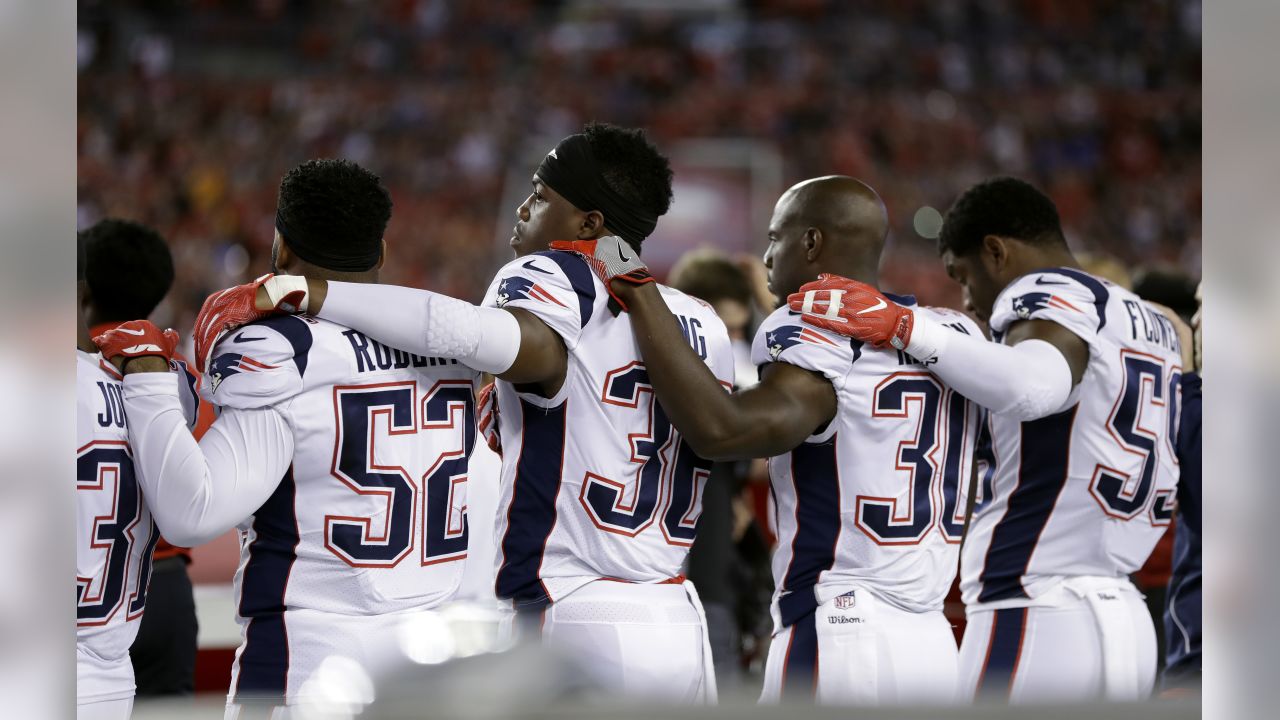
point(1026, 305)
point(518, 288)
point(228, 364)
point(788, 335)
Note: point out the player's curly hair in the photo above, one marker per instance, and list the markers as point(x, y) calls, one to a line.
point(632, 167)
point(1003, 206)
point(337, 208)
point(127, 267)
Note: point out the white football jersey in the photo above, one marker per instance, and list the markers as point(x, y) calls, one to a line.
point(874, 499)
point(115, 534)
point(1090, 489)
point(596, 483)
point(370, 518)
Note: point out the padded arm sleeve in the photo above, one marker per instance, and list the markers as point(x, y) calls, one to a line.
point(1026, 381)
point(197, 491)
point(426, 323)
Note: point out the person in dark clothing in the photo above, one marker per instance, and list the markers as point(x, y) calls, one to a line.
point(1182, 614)
point(729, 561)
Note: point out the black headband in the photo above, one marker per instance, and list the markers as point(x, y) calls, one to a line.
point(571, 170)
point(353, 258)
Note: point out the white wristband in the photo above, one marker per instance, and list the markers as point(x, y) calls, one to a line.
point(281, 285)
point(928, 338)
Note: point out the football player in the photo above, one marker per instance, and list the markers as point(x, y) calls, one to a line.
point(1083, 382)
point(128, 271)
point(868, 454)
point(115, 533)
point(600, 495)
point(343, 461)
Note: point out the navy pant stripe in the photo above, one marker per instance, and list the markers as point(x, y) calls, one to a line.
point(1008, 628)
point(800, 667)
point(1042, 474)
point(264, 663)
point(531, 514)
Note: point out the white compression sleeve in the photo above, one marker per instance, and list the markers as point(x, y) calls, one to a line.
point(426, 323)
point(1027, 381)
point(196, 492)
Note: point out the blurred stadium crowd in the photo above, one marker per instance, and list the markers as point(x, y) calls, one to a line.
point(190, 112)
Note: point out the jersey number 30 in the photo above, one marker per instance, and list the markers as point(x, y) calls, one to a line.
point(943, 418)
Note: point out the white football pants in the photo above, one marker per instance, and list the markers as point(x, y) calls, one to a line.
point(1087, 638)
point(644, 641)
point(857, 649)
point(105, 710)
point(334, 660)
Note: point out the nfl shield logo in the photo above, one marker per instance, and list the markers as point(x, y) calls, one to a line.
point(846, 601)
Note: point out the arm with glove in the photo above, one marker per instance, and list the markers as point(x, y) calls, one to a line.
point(1029, 377)
point(512, 343)
point(195, 491)
point(771, 418)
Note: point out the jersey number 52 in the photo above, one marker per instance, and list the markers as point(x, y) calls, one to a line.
point(425, 505)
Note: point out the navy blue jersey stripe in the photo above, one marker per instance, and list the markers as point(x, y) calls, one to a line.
point(190, 378)
point(580, 277)
point(1046, 450)
point(297, 332)
point(532, 512)
point(1100, 292)
point(1008, 629)
point(855, 345)
point(816, 478)
point(264, 663)
point(800, 666)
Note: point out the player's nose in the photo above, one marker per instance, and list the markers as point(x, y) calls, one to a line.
point(522, 212)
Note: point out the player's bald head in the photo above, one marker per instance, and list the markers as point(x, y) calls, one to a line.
point(832, 224)
point(850, 215)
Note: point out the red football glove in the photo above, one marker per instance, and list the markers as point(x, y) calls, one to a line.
point(612, 259)
point(487, 418)
point(135, 339)
point(853, 309)
point(229, 309)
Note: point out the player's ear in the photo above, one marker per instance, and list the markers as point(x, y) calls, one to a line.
point(383, 257)
point(995, 252)
point(812, 244)
point(592, 225)
point(282, 258)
